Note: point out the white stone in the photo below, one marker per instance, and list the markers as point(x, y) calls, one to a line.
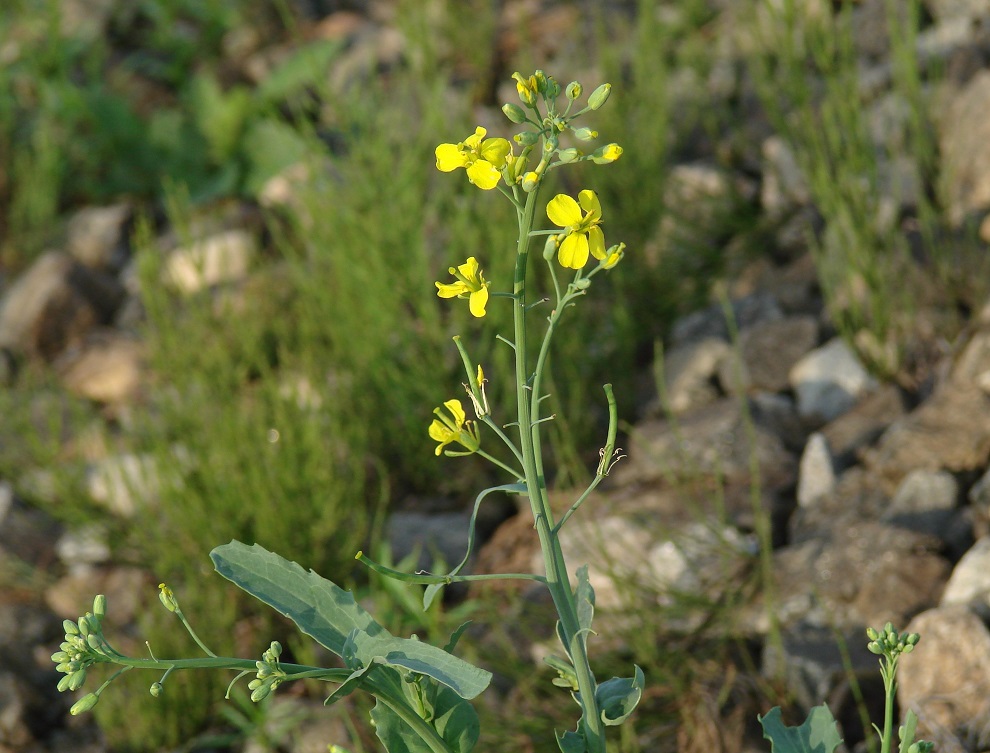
point(222, 257)
point(969, 584)
point(816, 473)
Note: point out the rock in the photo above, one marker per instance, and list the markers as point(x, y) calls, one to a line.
point(443, 535)
point(857, 498)
point(829, 381)
point(125, 589)
point(711, 322)
point(778, 414)
point(689, 371)
point(107, 367)
point(946, 679)
point(27, 535)
point(784, 188)
point(979, 497)
point(84, 546)
point(97, 236)
point(768, 350)
point(969, 584)
point(14, 732)
point(816, 474)
point(924, 502)
point(950, 431)
point(222, 257)
point(54, 304)
point(863, 424)
point(943, 10)
point(965, 145)
point(864, 574)
point(126, 484)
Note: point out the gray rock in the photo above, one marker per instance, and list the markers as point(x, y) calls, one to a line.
point(97, 235)
point(857, 498)
point(969, 584)
point(829, 381)
point(777, 413)
point(689, 373)
point(946, 679)
point(864, 574)
point(950, 431)
point(438, 534)
point(711, 322)
point(863, 424)
point(965, 145)
point(768, 350)
point(816, 474)
point(84, 546)
point(55, 303)
point(943, 10)
point(924, 502)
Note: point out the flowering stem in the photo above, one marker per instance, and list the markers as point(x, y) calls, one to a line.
point(527, 401)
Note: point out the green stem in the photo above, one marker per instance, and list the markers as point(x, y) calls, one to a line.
point(890, 690)
point(553, 557)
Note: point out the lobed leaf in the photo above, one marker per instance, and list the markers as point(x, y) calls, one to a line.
point(818, 734)
point(618, 697)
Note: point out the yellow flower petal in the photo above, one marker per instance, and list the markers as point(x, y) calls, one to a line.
point(596, 242)
point(589, 203)
point(451, 289)
point(573, 252)
point(478, 301)
point(469, 269)
point(454, 406)
point(450, 157)
point(563, 210)
point(474, 140)
point(483, 174)
point(495, 151)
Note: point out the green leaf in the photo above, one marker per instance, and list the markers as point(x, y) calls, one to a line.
point(329, 615)
point(619, 696)
point(322, 610)
point(456, 636)
point(818, 734)
point(571, 742)
point(455, 720)
point(463, 678)
point(270, 145)
point(307, 67)
point(349, 685)
point(907, 731)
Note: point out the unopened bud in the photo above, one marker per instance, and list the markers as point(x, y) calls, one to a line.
point(530, 181)
point(872, 634)
point(84, 704)
point(514, 113)
point(526, 138)
point(550, 247)
point(568, 155)
point(605, 154)
point(585, 134)
point(582, 284)
point(77, 679)
point(167, 598)
point(156, 689)
point(100, 607)
point(70, 627)
point(261, 692)
point(599, 96)
point(573, 90)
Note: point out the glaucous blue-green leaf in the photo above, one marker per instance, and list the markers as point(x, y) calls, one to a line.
point(455, 722)
point(320, 608)
point(349, 685)
point(618, 697)
point(571, 742)
point(463, 678)
point(329, 615)
point(818, 734)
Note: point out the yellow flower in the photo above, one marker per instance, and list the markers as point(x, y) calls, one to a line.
point(451, 427)
point(483, 158)
point(470, 283)
point(526, 88)
point(582, 233)
point(605, 154)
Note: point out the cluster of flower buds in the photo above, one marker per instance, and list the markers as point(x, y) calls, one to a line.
point(541, 87)
point(270, 674)
point(888, 642)
point(84, 645)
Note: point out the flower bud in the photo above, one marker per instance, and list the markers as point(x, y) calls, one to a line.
point(550, 247)
point(599, 96)
point(93, 641)
point(872, 634)
point(582, 284)
point(276, 649)
point(552, 88)
point(76, 679)
point(63, 684)
point(568, 155)
point(573, 90)
point(542, 81)
point(585, 134)
point(156, 689)
point(261, 692)
point(530, 181)
point(167, 598)
point(70, 628)
point(84, 704)
point(908, 648)
point(874, 647)
point(85, 626)
point(514, 113)
point(59, 657)
point(526, 88)
point(913, 639)
point(605, 154)
point(100, 607)
point(526, 138)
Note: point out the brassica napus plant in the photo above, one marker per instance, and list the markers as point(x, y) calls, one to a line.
point(423, 692)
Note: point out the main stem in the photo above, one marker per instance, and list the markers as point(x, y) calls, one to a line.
point(553, 556)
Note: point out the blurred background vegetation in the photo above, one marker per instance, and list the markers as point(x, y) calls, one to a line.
point(292, 409)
